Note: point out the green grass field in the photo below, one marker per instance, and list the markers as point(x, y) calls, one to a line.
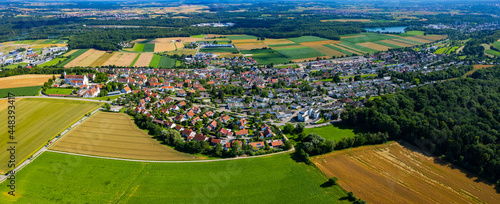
point(219, 50)
point(62, 178)
point(440, 50)
point(283, 45)
point(166, 62)
point(39, 120)
point(52, 62)
point(198, 36)
point(493, 52)
point(21, 91)
point(73, 56)
point(24, 41)
point(497, 44)
point(306, 39)
point(155, 61)
point(59, 91)
point(241, 37)
point(300, 53)
point(139, 47)
point(411, 33)
point(368, 37)
point(334, 132)
point(149, 47)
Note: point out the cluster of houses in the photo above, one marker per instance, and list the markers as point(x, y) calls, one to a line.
point(211, 59)
point(213, 129)
point(31, 57)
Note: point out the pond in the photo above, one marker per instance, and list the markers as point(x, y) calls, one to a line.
point(400, 29)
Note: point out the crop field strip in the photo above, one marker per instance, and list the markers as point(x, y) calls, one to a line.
point(326, 50)
point(164, 47)
point(149, 47)
point(122, 59)
point(74, 55)
point(102, 59)
point(40, 120)
point(300, 53)
point(138, 47)
point(21, 91)
point(393, 42)
point(135, 60)
point(24, 80)
point(403, 175)
point(241, 37)
point(304, 39)
point(166, 62)
point(411, 42)
point(341, 45)
point(116, 135)
point(155, 60)
point(60, 177)
point(277, 41)
point(387, 44)
point(250, 46)
point(85, 59)
point(344, 51)
point(416, 39)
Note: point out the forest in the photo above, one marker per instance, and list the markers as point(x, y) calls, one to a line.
point(458, 120)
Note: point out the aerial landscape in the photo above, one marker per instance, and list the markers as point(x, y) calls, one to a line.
point(287, 101)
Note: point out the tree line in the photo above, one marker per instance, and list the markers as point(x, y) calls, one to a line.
point(458, 120)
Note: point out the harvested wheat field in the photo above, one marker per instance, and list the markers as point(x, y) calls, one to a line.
point(85, 59)
point(69, 53)
point(249, 46)
point(164, 47)
point(144, 60)
point(323, 42)
point(392, 173)
point(101, 60)
point(245, 41)
point(326, 50)
point(116, 135)
point(278, 41)
point(179, 45)
point(418, 39)
point(375, 46)
point(24, 80)
point(392, 42)
point(167, 40)
point(122, 59)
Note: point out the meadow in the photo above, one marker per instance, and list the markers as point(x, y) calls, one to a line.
point(241, 37)
point(336, 131)
point(139, 47)
point(61, 178)
point(62, 91)
point(303, 39)
point(149, 47)
point(116, 135)
point(166, 62)
point(155, 61)
point(403, 174)
point(39, 120)
point(299, 53)
point(21, 91)
point(52, 62)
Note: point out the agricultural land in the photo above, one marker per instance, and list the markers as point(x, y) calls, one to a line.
point(39, 120)
point(403, 175)
point(116, 135)
point(56, 174)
